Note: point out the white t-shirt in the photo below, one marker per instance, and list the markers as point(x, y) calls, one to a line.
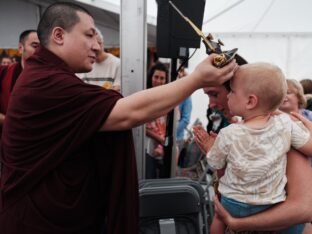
point(255, 159)
point(105, 74)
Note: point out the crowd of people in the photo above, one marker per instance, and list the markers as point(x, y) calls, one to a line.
point(67, 155)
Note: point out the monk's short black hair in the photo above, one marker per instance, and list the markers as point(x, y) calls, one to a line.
point(59, 14)
point(24, 35)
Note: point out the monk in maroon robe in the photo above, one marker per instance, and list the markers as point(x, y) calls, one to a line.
point(54, 157)
point(68, 163)
point(28, 42)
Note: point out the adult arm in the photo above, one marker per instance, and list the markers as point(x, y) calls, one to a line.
point(149, 104)
point(296, 209)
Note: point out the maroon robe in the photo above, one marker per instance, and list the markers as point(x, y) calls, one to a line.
point(59, 174)
point(8, 77)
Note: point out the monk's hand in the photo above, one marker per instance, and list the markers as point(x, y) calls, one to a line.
point(206, 74)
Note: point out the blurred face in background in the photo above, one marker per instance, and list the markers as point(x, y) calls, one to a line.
point(158, 78)
point(290, 103)
point(294, 99)
point(28, 46)
point(6, 61)
point(218, 99)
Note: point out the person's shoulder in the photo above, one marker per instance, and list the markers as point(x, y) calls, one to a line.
point(13, 66)
point(4, 70)
point(281, 121)
point(281, 117)
point(308, 96)
point(231, 129)
point(113, 58)
point(306, 113)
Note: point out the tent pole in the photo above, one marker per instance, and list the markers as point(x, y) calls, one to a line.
point(133, 38)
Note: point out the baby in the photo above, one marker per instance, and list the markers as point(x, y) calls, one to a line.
point(254, 150)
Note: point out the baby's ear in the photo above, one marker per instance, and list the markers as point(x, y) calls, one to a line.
point(252, 102)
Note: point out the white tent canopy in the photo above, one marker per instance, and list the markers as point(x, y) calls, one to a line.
point(277, 31)
point(274, 31)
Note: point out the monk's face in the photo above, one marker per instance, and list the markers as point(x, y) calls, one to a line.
point(28, 47)
point(80, 45)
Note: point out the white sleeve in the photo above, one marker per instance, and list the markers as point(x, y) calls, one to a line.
point(299, 134)
point(217, 155)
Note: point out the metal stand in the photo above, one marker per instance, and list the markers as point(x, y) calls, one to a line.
point(169, 159)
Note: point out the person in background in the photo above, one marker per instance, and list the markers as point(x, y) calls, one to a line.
point(184, 115)
point(6, 60)
point(68, 160)
point(106, 70)
point(156, 129)
point(307, 90)
point(295, 100)
point(28, 42)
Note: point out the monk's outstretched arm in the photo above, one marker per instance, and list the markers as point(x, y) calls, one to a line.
point(149, 104)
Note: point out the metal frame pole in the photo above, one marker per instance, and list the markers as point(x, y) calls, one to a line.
point(133, 38)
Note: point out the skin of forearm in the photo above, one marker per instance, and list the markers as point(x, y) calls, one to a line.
point(275, 218)
point(149, 104)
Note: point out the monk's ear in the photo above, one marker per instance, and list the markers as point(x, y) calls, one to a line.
point(57, 35)
point(20, 47)
point(252, 102)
